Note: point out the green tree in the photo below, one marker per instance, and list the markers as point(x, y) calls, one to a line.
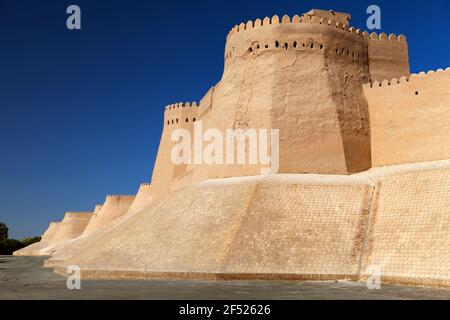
point(9, 246)
point(29, 241)
point(3, 232)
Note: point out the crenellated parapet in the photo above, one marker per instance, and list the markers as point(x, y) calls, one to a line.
point(181, 114)
point(386, 54)
point(409, 118)
point(120, 196)
point(97, 210)
point(83, 215)
point(384, 37)
point(314, 20)
point(179, 105)
point(146, 184)
point(411, 80)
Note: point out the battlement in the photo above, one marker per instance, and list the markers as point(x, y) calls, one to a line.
point(119, 196)
point(181, 105)
point(181, 113)
point(409, 118)
point(386, 55)
point(404, 80)
point(146, 184)
point(384, 37)
point(97, 209)
point(308, 19)
point(330, 14)
point(82, 215)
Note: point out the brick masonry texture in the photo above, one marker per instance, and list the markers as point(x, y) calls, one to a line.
point(409, 235)
point(302, 227)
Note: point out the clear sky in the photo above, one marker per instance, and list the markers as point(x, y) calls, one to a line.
point(81, 112)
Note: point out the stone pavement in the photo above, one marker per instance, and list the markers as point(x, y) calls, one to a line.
point(24, 278)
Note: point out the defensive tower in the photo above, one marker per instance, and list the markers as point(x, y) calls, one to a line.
point(303, 76)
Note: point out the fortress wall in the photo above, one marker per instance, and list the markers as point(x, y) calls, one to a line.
point(313, 63)
point(301, 231)
point(293, 75)
point(163, 169)
point(72, 226)
point(388, 54)
point(185, 232)
point(144, 198)
point(297, 23)
point(301, 74)
point(304, 227)
point(409, 228)
point(50, 232)
point(57, 233)
point(113, 208)
point(410, 118)
point(181, 113)
point(310, 137)
point(93, 220)
point(347, 67)
point(35, 248)
point(97, 209)
point(244, 89)
point(65, 251)
point(342, 17)
point(204, 232)
point(388, 57)
point(176, 116)
point(206, 103)
point(191, 115)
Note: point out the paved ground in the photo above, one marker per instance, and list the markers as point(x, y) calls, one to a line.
point(24, 278)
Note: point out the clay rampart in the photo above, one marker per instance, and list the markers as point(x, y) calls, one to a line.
point(409, 118)
point(181, 114)
point(50, 232)
point(387, 54)
point(114, 207)
point(72, 226)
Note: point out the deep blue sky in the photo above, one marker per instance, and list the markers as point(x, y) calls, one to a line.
point(81, 111)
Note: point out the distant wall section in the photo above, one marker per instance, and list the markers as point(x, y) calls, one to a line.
point(388, 56)
point(72, 226)
point(410, 118)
